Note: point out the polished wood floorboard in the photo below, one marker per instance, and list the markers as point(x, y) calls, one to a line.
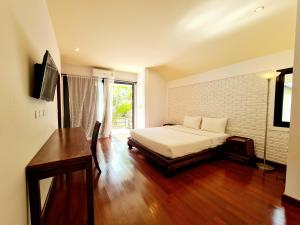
point(131, 190)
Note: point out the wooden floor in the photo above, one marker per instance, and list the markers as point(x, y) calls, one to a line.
point(131, 190)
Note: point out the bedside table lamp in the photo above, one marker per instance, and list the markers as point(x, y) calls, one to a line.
point(263, 166)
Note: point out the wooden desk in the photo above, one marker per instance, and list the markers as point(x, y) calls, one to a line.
point(65, 151)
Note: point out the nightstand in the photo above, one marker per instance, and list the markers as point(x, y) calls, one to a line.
point(240, 149)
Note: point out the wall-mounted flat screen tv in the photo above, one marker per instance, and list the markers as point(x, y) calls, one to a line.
point(46, 76)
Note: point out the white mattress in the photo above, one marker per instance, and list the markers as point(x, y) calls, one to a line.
point(177, 141)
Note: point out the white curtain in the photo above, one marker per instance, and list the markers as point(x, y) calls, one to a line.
point(83, 99)
point(100, 103)
point(106, 126)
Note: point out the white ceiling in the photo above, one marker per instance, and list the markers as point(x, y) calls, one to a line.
point(176, 38)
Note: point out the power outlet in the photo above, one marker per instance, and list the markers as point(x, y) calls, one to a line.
point(39, 113)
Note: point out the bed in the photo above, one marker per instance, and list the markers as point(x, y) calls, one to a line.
point(173, 147)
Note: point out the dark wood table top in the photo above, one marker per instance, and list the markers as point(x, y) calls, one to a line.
point(64, 145)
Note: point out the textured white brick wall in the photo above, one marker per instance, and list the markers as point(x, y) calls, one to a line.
point(242, 99)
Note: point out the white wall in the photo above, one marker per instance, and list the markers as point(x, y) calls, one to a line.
point(292, 187)
point(26, 33)
point(237, 92)
point(265, 63)
point(140, 97)
point(155, 99)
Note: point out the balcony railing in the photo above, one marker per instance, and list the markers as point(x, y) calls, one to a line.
point(119, 122)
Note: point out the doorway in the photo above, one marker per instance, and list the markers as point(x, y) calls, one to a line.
point(122, 107)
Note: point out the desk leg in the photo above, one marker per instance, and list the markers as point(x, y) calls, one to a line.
point(90, 193)
point(35, 201)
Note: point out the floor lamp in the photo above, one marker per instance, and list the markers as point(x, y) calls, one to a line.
point(264, 166)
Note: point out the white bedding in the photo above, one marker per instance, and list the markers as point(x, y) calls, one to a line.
point(176, 141)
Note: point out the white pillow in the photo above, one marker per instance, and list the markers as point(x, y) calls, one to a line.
point(216, 125)
point(192, 121)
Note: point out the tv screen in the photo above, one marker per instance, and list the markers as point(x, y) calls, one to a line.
point(46, 78)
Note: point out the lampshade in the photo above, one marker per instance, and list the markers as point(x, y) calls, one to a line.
point(268, 75)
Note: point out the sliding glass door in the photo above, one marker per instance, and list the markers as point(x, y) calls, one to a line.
point(123, 106)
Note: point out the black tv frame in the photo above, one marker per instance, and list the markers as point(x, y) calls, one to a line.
point(39, 74)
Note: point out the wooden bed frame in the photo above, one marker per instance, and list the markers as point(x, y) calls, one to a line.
point(170, 165)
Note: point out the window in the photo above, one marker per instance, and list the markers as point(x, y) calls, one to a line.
point(283, 98)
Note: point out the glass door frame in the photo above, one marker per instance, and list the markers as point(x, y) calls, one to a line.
point(133, 97)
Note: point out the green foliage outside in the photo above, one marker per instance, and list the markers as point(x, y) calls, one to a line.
point(122, 106)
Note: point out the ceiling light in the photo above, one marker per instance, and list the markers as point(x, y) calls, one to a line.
point(76, 49)
point(259, 9)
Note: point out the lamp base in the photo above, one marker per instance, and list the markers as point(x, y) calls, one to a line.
point(263, 166)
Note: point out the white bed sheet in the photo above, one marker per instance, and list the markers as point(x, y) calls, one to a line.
point(177, 141)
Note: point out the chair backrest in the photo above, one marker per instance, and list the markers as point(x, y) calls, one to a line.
point(95, 136)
